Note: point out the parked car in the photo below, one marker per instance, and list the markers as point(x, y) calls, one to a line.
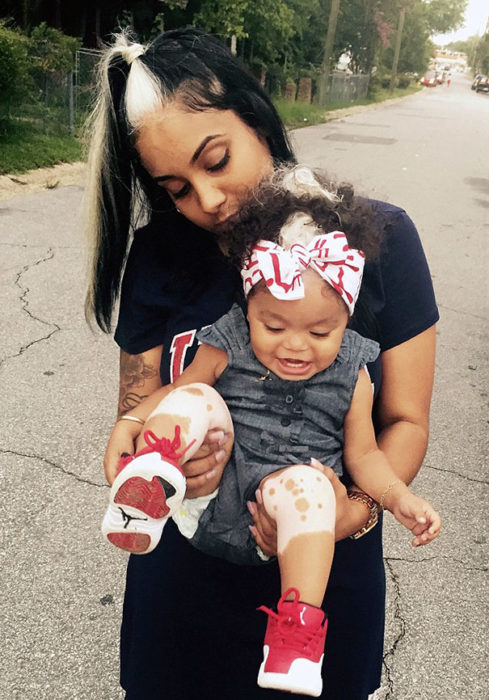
point(476, 81)
point(482, 84)
point(429, 80)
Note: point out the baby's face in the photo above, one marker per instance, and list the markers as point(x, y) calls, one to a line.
point(297, 339)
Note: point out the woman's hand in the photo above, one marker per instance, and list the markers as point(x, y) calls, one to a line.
point(121, 443)
point(204, 470)
point(351, 516)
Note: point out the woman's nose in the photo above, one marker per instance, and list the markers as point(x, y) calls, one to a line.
point(211, 198)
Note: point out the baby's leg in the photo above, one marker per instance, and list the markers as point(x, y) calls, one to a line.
point(195, 409)
point(150, 487)
point(301, 500)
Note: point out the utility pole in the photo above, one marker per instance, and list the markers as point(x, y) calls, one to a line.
point(328, 51)
point(397, 50)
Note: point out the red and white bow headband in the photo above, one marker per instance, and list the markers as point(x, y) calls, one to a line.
point(328, 254)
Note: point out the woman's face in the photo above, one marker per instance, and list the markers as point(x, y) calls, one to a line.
point(207, 161)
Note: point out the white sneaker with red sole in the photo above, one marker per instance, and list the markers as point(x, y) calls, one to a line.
point(148, 489)
point(293, 649)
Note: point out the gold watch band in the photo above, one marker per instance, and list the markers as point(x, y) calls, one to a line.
point(373, 507)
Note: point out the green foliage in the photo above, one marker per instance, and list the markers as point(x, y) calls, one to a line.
point(444, 15)
point(23, 148)
point(403, 80)
point(51, 51)
point(224, 17)
point(14, 62)
point(267, 24)
point(481, 55)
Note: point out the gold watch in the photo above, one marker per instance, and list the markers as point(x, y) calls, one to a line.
point(373, 507)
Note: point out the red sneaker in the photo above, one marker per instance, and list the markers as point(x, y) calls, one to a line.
point(293, 650)
point(148, 489)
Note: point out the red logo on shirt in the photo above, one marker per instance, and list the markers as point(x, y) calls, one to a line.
point(179, 346)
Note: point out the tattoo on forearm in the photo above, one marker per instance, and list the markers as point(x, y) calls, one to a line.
point(134, 373)
point(131, 400)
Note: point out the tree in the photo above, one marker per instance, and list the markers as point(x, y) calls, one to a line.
point(263, 26)
point(481, 56)
point(51, 51)
point(224, 17)
point(14, 76)
point(445, 15)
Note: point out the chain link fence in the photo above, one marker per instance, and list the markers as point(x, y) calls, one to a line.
point(58, 102)
point(344, 88)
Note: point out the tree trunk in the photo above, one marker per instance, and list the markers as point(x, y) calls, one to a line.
point(397, 50)
point(328, 50)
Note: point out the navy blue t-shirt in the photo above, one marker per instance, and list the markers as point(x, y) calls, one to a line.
point(161, 307)
point(190, 620)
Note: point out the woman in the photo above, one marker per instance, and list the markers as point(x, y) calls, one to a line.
point(183, 122)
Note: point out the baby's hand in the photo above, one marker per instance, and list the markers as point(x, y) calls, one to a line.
point(417, 515)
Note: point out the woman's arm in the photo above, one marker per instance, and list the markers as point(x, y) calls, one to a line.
point(403, 406)
point(139, 376)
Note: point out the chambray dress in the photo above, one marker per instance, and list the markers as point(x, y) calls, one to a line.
point(277, 423)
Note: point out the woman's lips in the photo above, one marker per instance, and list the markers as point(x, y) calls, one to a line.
point(227, 224)
point(293, 367)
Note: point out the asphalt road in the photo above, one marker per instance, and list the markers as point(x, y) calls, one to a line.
point(62, 586)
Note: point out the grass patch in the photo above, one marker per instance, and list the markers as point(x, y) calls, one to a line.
point(297, 114)
point(23, 148)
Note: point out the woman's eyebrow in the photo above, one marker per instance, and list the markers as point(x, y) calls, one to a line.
point(198, 151)
point(201, 147)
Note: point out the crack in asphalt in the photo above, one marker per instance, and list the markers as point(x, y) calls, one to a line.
point(433, 558)
point(388, 658)
point(25, 308)
point(462, 476)
point(58, 467)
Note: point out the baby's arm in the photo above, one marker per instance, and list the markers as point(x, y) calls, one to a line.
point(207, 366)
point(371, 471)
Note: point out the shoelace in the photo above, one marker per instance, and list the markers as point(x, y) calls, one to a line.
point(290, 631)
point(167, 448)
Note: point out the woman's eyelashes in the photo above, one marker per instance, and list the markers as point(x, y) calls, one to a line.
point(181, 193)
point(220, 165)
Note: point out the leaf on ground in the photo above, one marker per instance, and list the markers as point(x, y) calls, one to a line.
point(17, 181)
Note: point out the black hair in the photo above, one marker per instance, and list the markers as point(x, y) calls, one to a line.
point(203, 73)
point(272, 204)
point(331, 207)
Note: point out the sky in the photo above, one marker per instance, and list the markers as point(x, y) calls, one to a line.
point(476, 16)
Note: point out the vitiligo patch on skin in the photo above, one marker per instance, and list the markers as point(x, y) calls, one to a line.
point(302, 504)
point(192, 390)
point(209, 407)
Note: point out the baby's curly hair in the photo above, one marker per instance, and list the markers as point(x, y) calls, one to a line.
point(272, 203)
